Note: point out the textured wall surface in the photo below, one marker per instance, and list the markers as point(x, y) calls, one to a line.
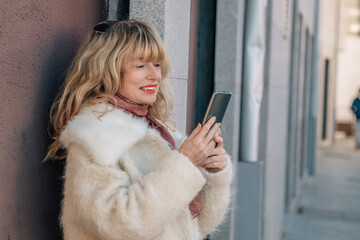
point(172, 21)
point(278, 132)
point(228, 71)
point(151, 11)
point(275, 126)
point(38, 39)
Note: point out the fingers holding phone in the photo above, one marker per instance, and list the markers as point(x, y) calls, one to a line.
point(217, 160)
point(200, 144)
point(215, 163)
point(205, 138)
point(218, 139)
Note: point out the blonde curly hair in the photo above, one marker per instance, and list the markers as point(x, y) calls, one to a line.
point(94, 75)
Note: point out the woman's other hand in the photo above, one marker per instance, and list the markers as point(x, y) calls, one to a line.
point(201, 143)
point(217, 160)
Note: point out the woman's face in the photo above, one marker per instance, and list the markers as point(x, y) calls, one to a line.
point(140, 81)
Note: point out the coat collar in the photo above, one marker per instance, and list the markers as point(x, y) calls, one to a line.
point(105, 138)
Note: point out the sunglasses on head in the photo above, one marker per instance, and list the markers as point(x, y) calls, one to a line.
point(103, 27)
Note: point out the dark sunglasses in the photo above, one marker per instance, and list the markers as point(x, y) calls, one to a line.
point(103, 27)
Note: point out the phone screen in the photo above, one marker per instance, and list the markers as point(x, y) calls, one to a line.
point(217, 106)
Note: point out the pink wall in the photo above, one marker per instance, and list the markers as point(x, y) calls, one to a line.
point(38, 39)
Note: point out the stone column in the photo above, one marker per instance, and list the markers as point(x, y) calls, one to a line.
point(228, 71)
point(172, 20)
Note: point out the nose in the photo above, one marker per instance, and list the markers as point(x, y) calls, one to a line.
point(154, 72)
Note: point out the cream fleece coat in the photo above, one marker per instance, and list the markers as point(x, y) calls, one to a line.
point(123, 182)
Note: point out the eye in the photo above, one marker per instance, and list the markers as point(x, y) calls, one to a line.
point(139, 66)
point(157, 65)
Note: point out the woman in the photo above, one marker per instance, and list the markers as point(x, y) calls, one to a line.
point(124, 177)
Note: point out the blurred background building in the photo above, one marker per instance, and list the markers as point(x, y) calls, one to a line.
point(348, 70)
point(292, 66)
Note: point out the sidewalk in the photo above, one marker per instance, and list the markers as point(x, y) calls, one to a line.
point(329, 208)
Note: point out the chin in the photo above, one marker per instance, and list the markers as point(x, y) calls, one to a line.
point(147, 101)
point(151, 102)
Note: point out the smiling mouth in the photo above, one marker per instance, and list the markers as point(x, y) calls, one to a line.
point(149, 88)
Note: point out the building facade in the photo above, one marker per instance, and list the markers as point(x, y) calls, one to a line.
point(277, 57)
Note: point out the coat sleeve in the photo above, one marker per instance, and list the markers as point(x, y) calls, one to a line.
point(215, 197)
point(104, 201)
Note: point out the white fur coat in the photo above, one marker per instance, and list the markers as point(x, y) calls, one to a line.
point(123, 182)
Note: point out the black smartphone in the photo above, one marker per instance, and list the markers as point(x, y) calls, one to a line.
point(217, 106)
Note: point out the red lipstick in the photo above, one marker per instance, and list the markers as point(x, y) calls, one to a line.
point(150, 89)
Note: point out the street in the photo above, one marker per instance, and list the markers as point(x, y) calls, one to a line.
point(329, 207)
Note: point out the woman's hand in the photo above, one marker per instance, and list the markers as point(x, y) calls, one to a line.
point(217, 160)
point(200, 144)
